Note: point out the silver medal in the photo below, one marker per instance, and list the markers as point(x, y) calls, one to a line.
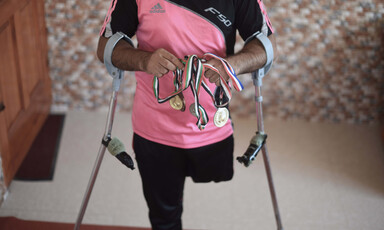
point(221, 117)
point(192, 109)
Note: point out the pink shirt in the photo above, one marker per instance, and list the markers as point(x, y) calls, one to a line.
point(181, 32)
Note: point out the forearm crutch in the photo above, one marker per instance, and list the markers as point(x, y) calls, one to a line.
point(258, 142)
point(113, 145)
point(99, 159)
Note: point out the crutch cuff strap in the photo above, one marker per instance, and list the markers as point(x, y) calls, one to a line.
point(108, 50)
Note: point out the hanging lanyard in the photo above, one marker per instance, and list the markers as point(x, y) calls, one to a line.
point(182, 79)
point(193, 77)
point(228, 69)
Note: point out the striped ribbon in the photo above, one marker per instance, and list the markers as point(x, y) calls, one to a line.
point(182, 80)
point(193, 77)
point(228, 69)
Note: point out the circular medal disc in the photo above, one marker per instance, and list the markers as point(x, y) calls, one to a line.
point(192, 109)
point(176, 102)
point(221, 117)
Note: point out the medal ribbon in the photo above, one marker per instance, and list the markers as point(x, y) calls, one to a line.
point(200, 113)
point(192, 76)
point(186, 76)
point(229, 70)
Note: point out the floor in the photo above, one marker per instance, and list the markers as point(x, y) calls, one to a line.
point(327, 176)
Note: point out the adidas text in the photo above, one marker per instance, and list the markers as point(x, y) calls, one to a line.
point(157, 9)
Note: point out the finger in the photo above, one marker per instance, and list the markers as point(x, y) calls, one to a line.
point(221, 71)
point(209, 73)
point(173, 59)
point(160, 71)
point(225, 76)
point(212, 75)
point(210, 70)
point(214, 78)
point(165, 63)
point(214, 62)
point(163, 70)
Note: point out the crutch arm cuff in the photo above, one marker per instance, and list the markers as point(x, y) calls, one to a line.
point(268, 47)
point(108, 50)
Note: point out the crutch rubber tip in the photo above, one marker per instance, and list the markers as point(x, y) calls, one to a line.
point(244, 160)
point(125, 159)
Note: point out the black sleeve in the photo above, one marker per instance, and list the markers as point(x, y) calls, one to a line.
point(250, 17)
point(124, 17)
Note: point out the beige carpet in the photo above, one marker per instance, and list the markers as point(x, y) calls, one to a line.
point(327, 176)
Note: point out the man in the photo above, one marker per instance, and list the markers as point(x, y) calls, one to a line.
point(167, 144)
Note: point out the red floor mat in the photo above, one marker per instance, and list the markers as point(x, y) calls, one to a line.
point(12, 223)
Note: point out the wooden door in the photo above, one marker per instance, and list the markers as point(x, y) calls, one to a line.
point(25, 88)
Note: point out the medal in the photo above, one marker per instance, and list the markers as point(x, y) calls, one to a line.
point(177, 102)
point(183, 101)
point(192, 109)
point(192, 76)
point(221, 117)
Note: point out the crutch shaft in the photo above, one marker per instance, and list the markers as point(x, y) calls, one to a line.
point(111, 115)
point(271, 187)
point(91, 183)
point(260, 128)
point(99, 159)
point(259, 109)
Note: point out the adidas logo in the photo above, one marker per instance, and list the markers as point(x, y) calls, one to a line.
point(157, 9)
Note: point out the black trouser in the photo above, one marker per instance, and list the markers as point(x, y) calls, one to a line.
point(163, 170)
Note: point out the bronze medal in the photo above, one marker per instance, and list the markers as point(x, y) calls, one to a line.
point(192, 109)
point(183, 102)
point(221, 117)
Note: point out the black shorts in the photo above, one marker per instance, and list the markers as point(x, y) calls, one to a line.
point(163, 170)
point(203, 164)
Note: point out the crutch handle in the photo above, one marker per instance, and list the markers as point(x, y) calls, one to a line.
point(257, 142)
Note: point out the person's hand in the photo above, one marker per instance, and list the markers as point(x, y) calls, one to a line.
point(214, 77)
point(161, 62)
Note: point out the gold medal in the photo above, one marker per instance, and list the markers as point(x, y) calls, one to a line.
point(177, 102)
point(221, 117)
